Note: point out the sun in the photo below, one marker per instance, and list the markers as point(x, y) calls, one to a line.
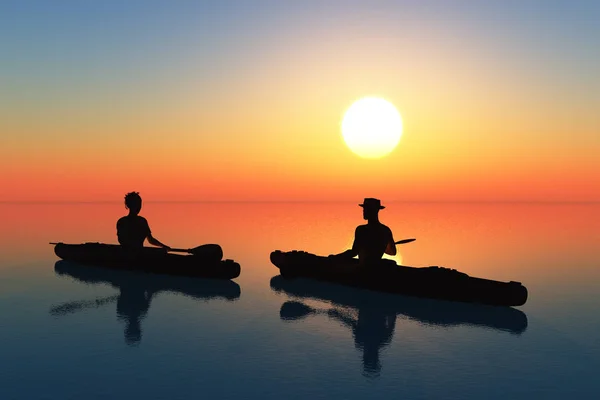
point(372, 127)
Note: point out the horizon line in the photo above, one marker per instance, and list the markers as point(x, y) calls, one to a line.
point(49, 202)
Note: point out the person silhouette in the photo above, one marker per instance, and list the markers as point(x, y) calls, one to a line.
point(373, 239)
point(133, 229)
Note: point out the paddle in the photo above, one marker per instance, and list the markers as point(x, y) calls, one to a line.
point(73, 306)
point(293, 310)
point(212, 250)
point(202, 250)
point(405, 241)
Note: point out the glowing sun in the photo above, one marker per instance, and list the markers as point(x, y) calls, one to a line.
point(372, 127)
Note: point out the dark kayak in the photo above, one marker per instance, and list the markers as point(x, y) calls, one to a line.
point(425, 311)
point(208, 264)
point(387, 276)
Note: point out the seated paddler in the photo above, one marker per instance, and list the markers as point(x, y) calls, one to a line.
point(371, 240)
point(133, 229)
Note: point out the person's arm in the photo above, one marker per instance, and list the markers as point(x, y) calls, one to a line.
point(353, 252)
point(391, 246)
point(153, 241)
point(343, 318)
point(348, 253)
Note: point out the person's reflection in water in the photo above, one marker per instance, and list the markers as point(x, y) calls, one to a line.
point(132, 306)
point(371, 316)
point(136, 291)
point(372, 330)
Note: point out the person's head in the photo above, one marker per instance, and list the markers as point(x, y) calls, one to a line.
point(133, 202)
point(133, 332)
point(371, 208)
point(371, 363)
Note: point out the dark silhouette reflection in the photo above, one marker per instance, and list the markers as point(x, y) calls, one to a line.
point(136, 291)
point(372, 316)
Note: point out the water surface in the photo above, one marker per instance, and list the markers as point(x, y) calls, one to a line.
point(92, 333)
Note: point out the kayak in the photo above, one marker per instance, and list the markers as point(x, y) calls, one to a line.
point(387, 276)
point(151, 259)
point(125, 280)
point(426, 311)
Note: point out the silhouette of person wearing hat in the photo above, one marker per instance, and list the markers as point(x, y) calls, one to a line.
point(373, 239)
point(133, 229)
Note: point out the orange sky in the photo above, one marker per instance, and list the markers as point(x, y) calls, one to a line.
point(488, 115)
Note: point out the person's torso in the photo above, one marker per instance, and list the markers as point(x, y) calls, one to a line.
point(132, 230)
point(373, 241)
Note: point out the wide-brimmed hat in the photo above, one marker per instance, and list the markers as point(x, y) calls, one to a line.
point(372, 203)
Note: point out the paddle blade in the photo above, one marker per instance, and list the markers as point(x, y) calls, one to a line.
point(293, 310)
point(209, 252)
point(405, 241)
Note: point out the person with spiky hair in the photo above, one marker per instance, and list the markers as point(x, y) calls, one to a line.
point(133, 229)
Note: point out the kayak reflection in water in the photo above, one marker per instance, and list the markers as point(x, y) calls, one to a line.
point(136, 292)
point(373, 239)
point(133, 229)
point(371, 316)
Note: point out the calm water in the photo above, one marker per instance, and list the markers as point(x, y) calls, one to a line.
point(93, 333)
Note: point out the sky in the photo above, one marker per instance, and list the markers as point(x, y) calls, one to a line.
point(243, 100)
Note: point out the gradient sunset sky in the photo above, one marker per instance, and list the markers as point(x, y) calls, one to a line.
point(243, 100)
